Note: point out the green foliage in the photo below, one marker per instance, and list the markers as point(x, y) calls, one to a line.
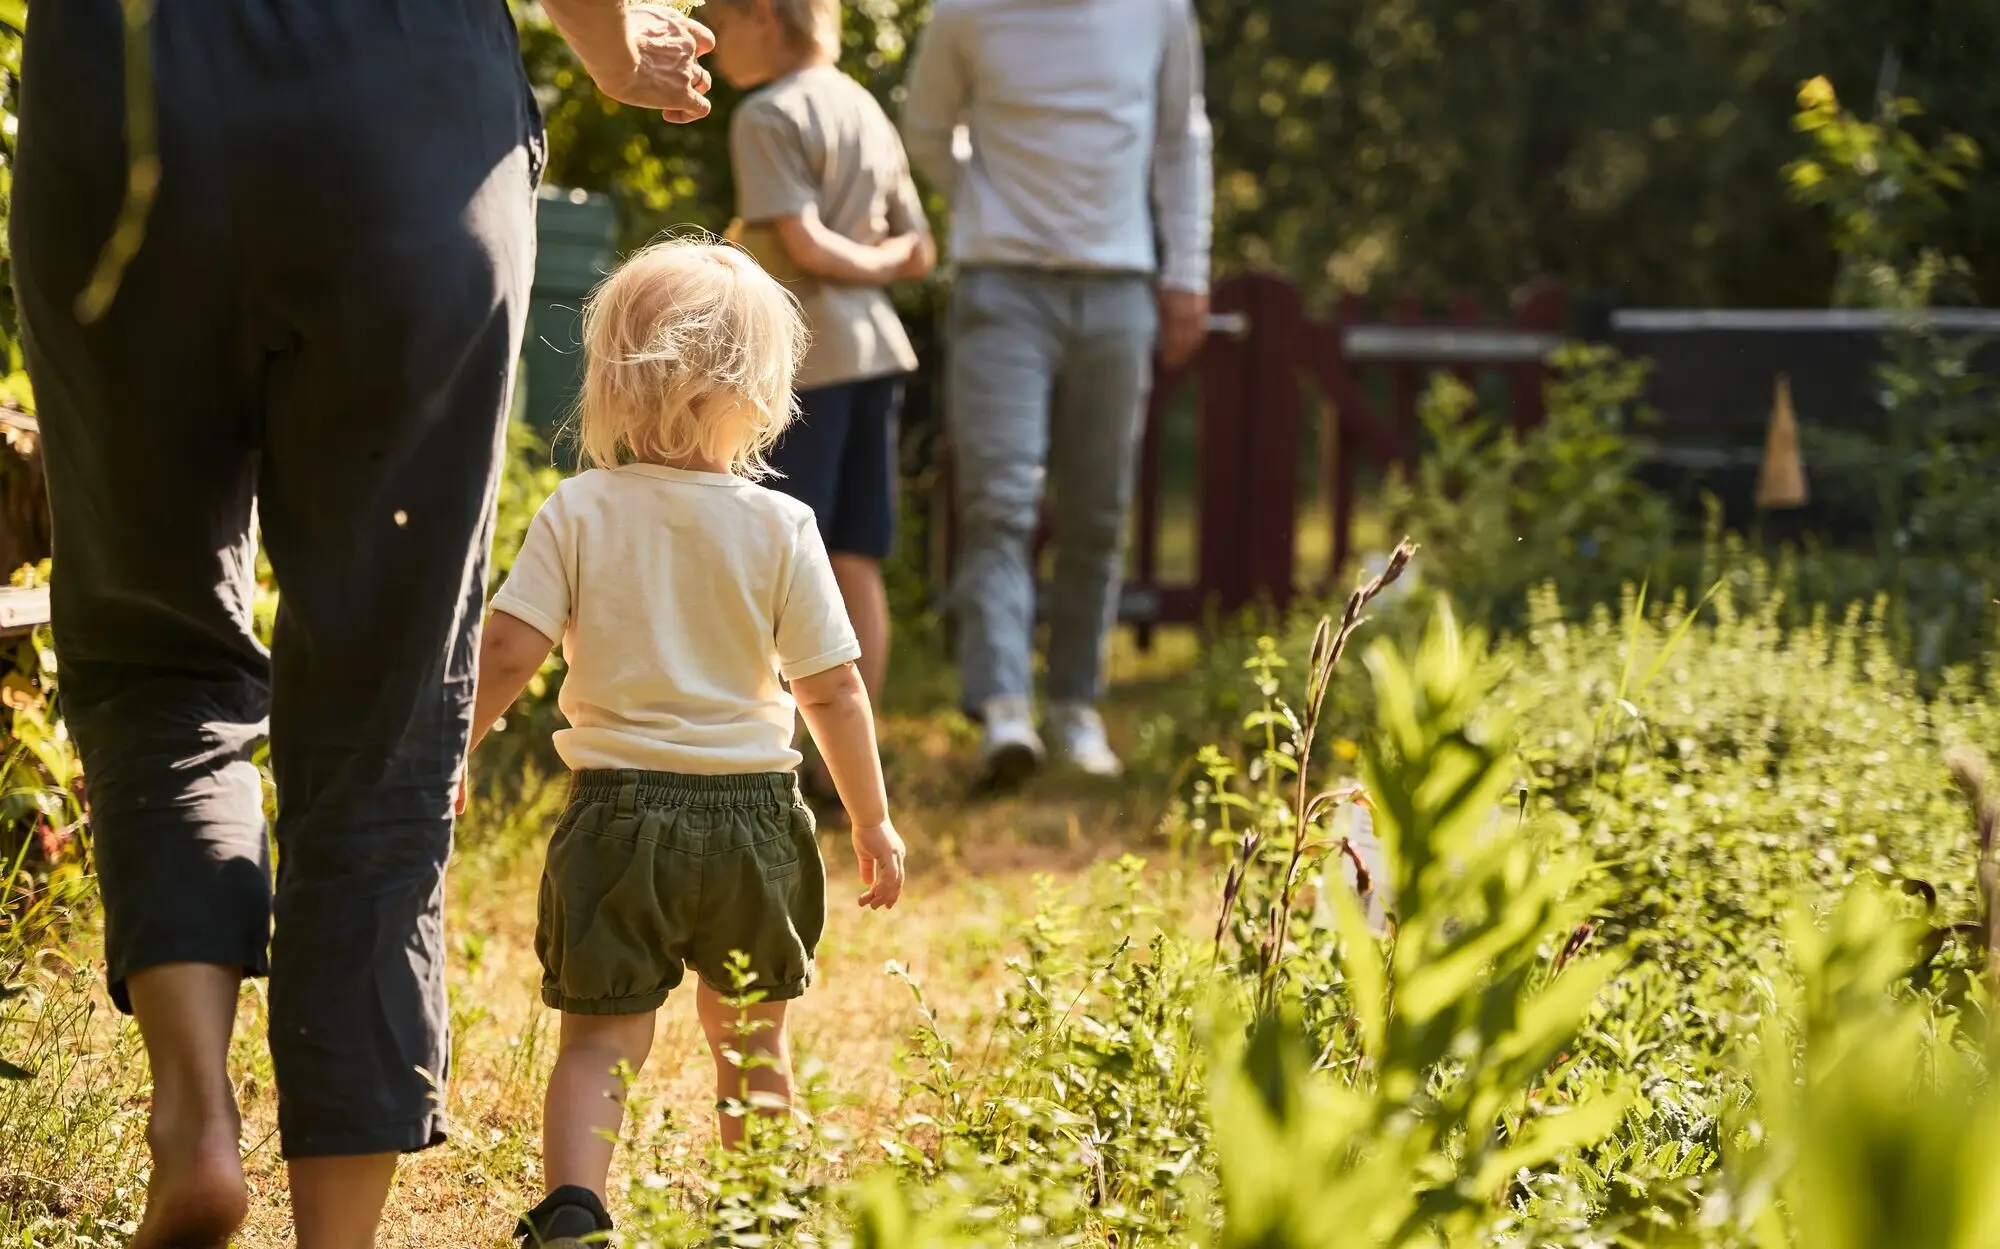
point(1500, 512)
point(1885, 190)
point(1435, 145)
point(1874, 1121)
point(1457, 1020)
point(667, 176)
point(1621, 146)
point(1929, 467)
point(13, 379)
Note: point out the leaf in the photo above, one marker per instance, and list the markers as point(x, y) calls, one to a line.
point(1550, 1135)
point(1366, 969)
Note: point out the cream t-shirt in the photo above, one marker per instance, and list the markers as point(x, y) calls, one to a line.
point(681, 600)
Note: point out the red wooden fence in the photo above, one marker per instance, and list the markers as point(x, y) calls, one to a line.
point(1262, 350)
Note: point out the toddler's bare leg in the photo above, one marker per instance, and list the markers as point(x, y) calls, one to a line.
point(586, 1101)
point(186, 1012)
point(758, 1034)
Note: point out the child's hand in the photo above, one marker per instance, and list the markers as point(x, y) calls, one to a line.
point(878, 848)
point(458, 806)
point(909, 256)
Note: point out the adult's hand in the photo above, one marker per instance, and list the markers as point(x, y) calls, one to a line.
point(1183, 325)
point(645, 55)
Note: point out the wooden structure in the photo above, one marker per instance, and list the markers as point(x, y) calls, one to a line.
point(1265, 354)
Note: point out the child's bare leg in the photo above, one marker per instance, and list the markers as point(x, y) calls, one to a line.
point(586, 1100)
point(758, 1034)
point(337, 1201)
point(186, 1012)
point(867, 601)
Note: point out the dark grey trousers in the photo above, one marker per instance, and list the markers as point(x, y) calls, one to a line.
point(316, 342)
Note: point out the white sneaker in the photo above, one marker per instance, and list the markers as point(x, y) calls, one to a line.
point(1012, 751)
point(1079, 737)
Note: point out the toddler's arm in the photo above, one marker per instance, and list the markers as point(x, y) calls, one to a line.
point(511, 652)
point(831, 255)
point(835, 706)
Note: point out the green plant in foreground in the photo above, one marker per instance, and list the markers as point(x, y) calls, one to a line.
point(1460, 1015)
point(1875, 1121)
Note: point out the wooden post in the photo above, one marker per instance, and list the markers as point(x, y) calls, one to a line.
point(1276, 431)
point(1540, 306)
point(1329, 346)
point(1222, 478)
point(1466, 310)
point(1405, 379)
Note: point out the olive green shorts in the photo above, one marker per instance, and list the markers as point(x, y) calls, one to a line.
point(651, 873)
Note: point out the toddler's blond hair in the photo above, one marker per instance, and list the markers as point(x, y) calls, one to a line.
point(690, 350)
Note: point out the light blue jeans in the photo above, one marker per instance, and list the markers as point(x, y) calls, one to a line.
point(1048, 379)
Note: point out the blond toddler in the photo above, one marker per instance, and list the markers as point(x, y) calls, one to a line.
point(697, 611)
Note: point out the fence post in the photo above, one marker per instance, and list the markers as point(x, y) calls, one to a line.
point(1337, 385)
point(1221, 478)
point(1539, 306)
point(1250, 433)
point(1277, 434)
point(1404, 379)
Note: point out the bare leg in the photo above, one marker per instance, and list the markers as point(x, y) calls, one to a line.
point(867, 600)
point(758, 1033)
point(337, 1202)
point(186, 1012)
point(586, 1100)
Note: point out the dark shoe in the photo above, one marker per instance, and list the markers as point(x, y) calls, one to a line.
point(565, 1217)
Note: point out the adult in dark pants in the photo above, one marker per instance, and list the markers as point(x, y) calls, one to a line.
point(316, 341)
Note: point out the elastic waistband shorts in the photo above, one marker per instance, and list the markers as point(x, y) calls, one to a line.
point(652, 873)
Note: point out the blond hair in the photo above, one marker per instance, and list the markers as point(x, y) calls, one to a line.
point(690, 350)
point(816, 22)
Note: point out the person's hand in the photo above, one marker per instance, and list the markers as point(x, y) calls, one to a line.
point(912, 258)
point(878, 848)
point(661, 69)
point(1183, 325)
point(458, 805)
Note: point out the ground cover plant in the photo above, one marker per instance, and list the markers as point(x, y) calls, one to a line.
point(1686, 926)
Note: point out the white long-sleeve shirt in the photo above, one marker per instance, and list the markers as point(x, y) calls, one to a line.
point(1089, 138)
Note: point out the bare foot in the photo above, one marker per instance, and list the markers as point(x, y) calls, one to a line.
point(197, 1198)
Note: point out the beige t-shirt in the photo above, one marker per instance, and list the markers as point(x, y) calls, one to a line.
point(681, 600)
point(818, 138)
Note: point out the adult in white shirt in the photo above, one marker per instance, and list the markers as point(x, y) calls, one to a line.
point(1081, 212)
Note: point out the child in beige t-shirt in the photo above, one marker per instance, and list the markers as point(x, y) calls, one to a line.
point(826, 203)
point(687, 599)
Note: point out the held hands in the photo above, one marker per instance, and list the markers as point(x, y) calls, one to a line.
point(1183, 325)
point(878, 848)
point(659, 68)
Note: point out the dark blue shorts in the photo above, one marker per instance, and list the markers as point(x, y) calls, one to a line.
point(839, 459)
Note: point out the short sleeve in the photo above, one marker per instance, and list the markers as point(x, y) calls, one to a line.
point(814, 633)
point(773, 177)
point(906, 209)
point(538, 588)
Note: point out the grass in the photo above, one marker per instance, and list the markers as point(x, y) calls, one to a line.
point(75, 1174)
point(1710, 794)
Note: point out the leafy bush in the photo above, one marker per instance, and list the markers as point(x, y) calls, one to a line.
point(1604, 1016)
point(1499, 512)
